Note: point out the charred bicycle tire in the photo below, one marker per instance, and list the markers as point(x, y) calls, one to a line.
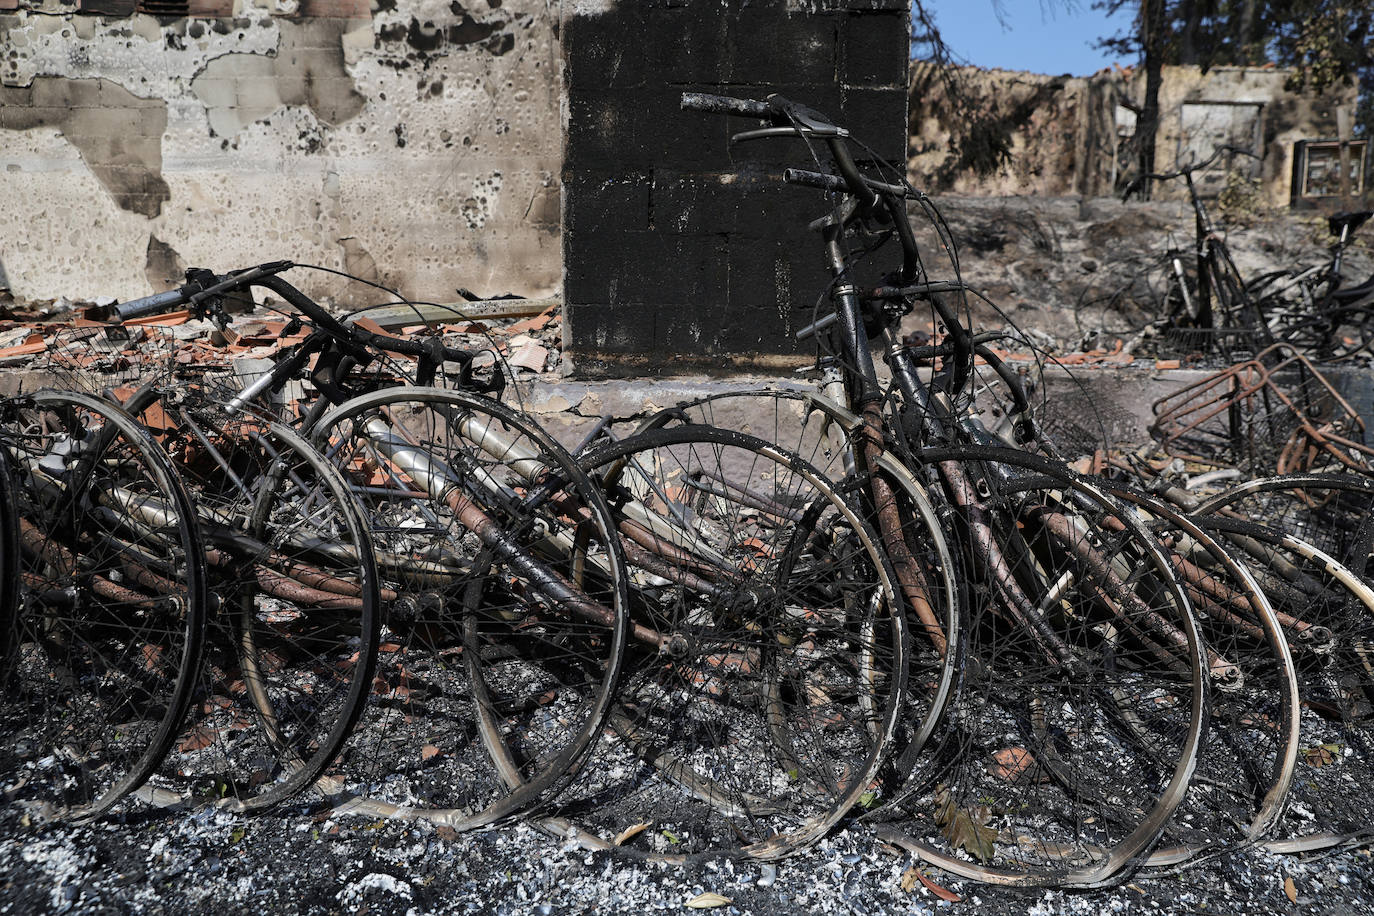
point(1081, 711)
point(108, 630)
point(929, 573)
point(292, 646)
point(505, 620)
point(1309, 538)
point(765, 673)
point(1246, 765)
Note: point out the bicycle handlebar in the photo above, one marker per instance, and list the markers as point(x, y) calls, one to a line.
point(837, 184)
point(1185, 170)
point(196, 291)
point(876, 200)
point(148, 305)
point(200, 286)
point(790, 119)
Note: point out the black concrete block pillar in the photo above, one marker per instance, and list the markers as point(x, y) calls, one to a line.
point(681, 252)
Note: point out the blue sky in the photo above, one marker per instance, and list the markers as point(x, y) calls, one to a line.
point(1043, 36)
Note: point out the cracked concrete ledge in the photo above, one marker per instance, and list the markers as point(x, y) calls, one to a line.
point(569, 409)
point(1115, 399)
point(1112, 400)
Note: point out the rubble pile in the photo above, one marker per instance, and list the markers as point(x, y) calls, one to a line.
point(66, 343)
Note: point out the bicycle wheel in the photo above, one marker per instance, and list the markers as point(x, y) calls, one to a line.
point(9, 564)
point(507, 595)
point(293, 643)
point(1274, 283)
point(1246, 765)
point(928, 572)
point(1352, 333)
point(801, 422)
point(767, 661)
point(1233, 306)
point(107, 636)
point(1312, 555)
point(1080, 715)
point(1333, 511)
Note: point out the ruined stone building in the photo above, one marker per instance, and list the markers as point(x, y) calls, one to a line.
point(421, 144)
point(530, 146)
point(1071, 135)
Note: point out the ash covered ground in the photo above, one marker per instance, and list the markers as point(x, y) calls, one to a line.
point(1055, 265)
point(302, 860)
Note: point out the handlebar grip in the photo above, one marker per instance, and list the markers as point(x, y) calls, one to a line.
point(919, 289)
point(814, 180)
point(837, 183)
point(416, 348)
point(148, 305)
point(724, 104)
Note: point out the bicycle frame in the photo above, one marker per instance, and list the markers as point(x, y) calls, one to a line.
point(929, 414)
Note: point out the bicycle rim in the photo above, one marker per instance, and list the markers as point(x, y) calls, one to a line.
point(1081, 710)
point(1246, 765)
point(765, 674)
point(506, 615)
point(928, 572)
point(293, 642)
point(111, 617)
point(9, 565)
point(1312, 555)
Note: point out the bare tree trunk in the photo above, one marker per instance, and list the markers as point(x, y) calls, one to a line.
point(1246, 50)
point(1152, 45)
point(1191, 13)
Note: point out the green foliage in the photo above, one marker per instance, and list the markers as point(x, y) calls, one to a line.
point(1326, 42)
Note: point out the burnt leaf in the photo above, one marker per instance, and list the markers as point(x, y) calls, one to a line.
point(966, 828)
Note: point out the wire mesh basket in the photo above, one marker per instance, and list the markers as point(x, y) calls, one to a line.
point(105, 358)
point(198, 371)
point(1098, 427)
point(1275, 413)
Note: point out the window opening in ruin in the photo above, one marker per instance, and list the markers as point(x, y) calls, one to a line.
point(1318, 167)
point(1204, 126)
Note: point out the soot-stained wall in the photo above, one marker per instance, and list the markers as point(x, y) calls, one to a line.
point(679, 250)
point(414, 141)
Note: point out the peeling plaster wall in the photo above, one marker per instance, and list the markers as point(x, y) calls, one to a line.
point(1059, 129)
point(1285, 117)
point(1062, 130)
point(117, 134)
point(418, 136)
